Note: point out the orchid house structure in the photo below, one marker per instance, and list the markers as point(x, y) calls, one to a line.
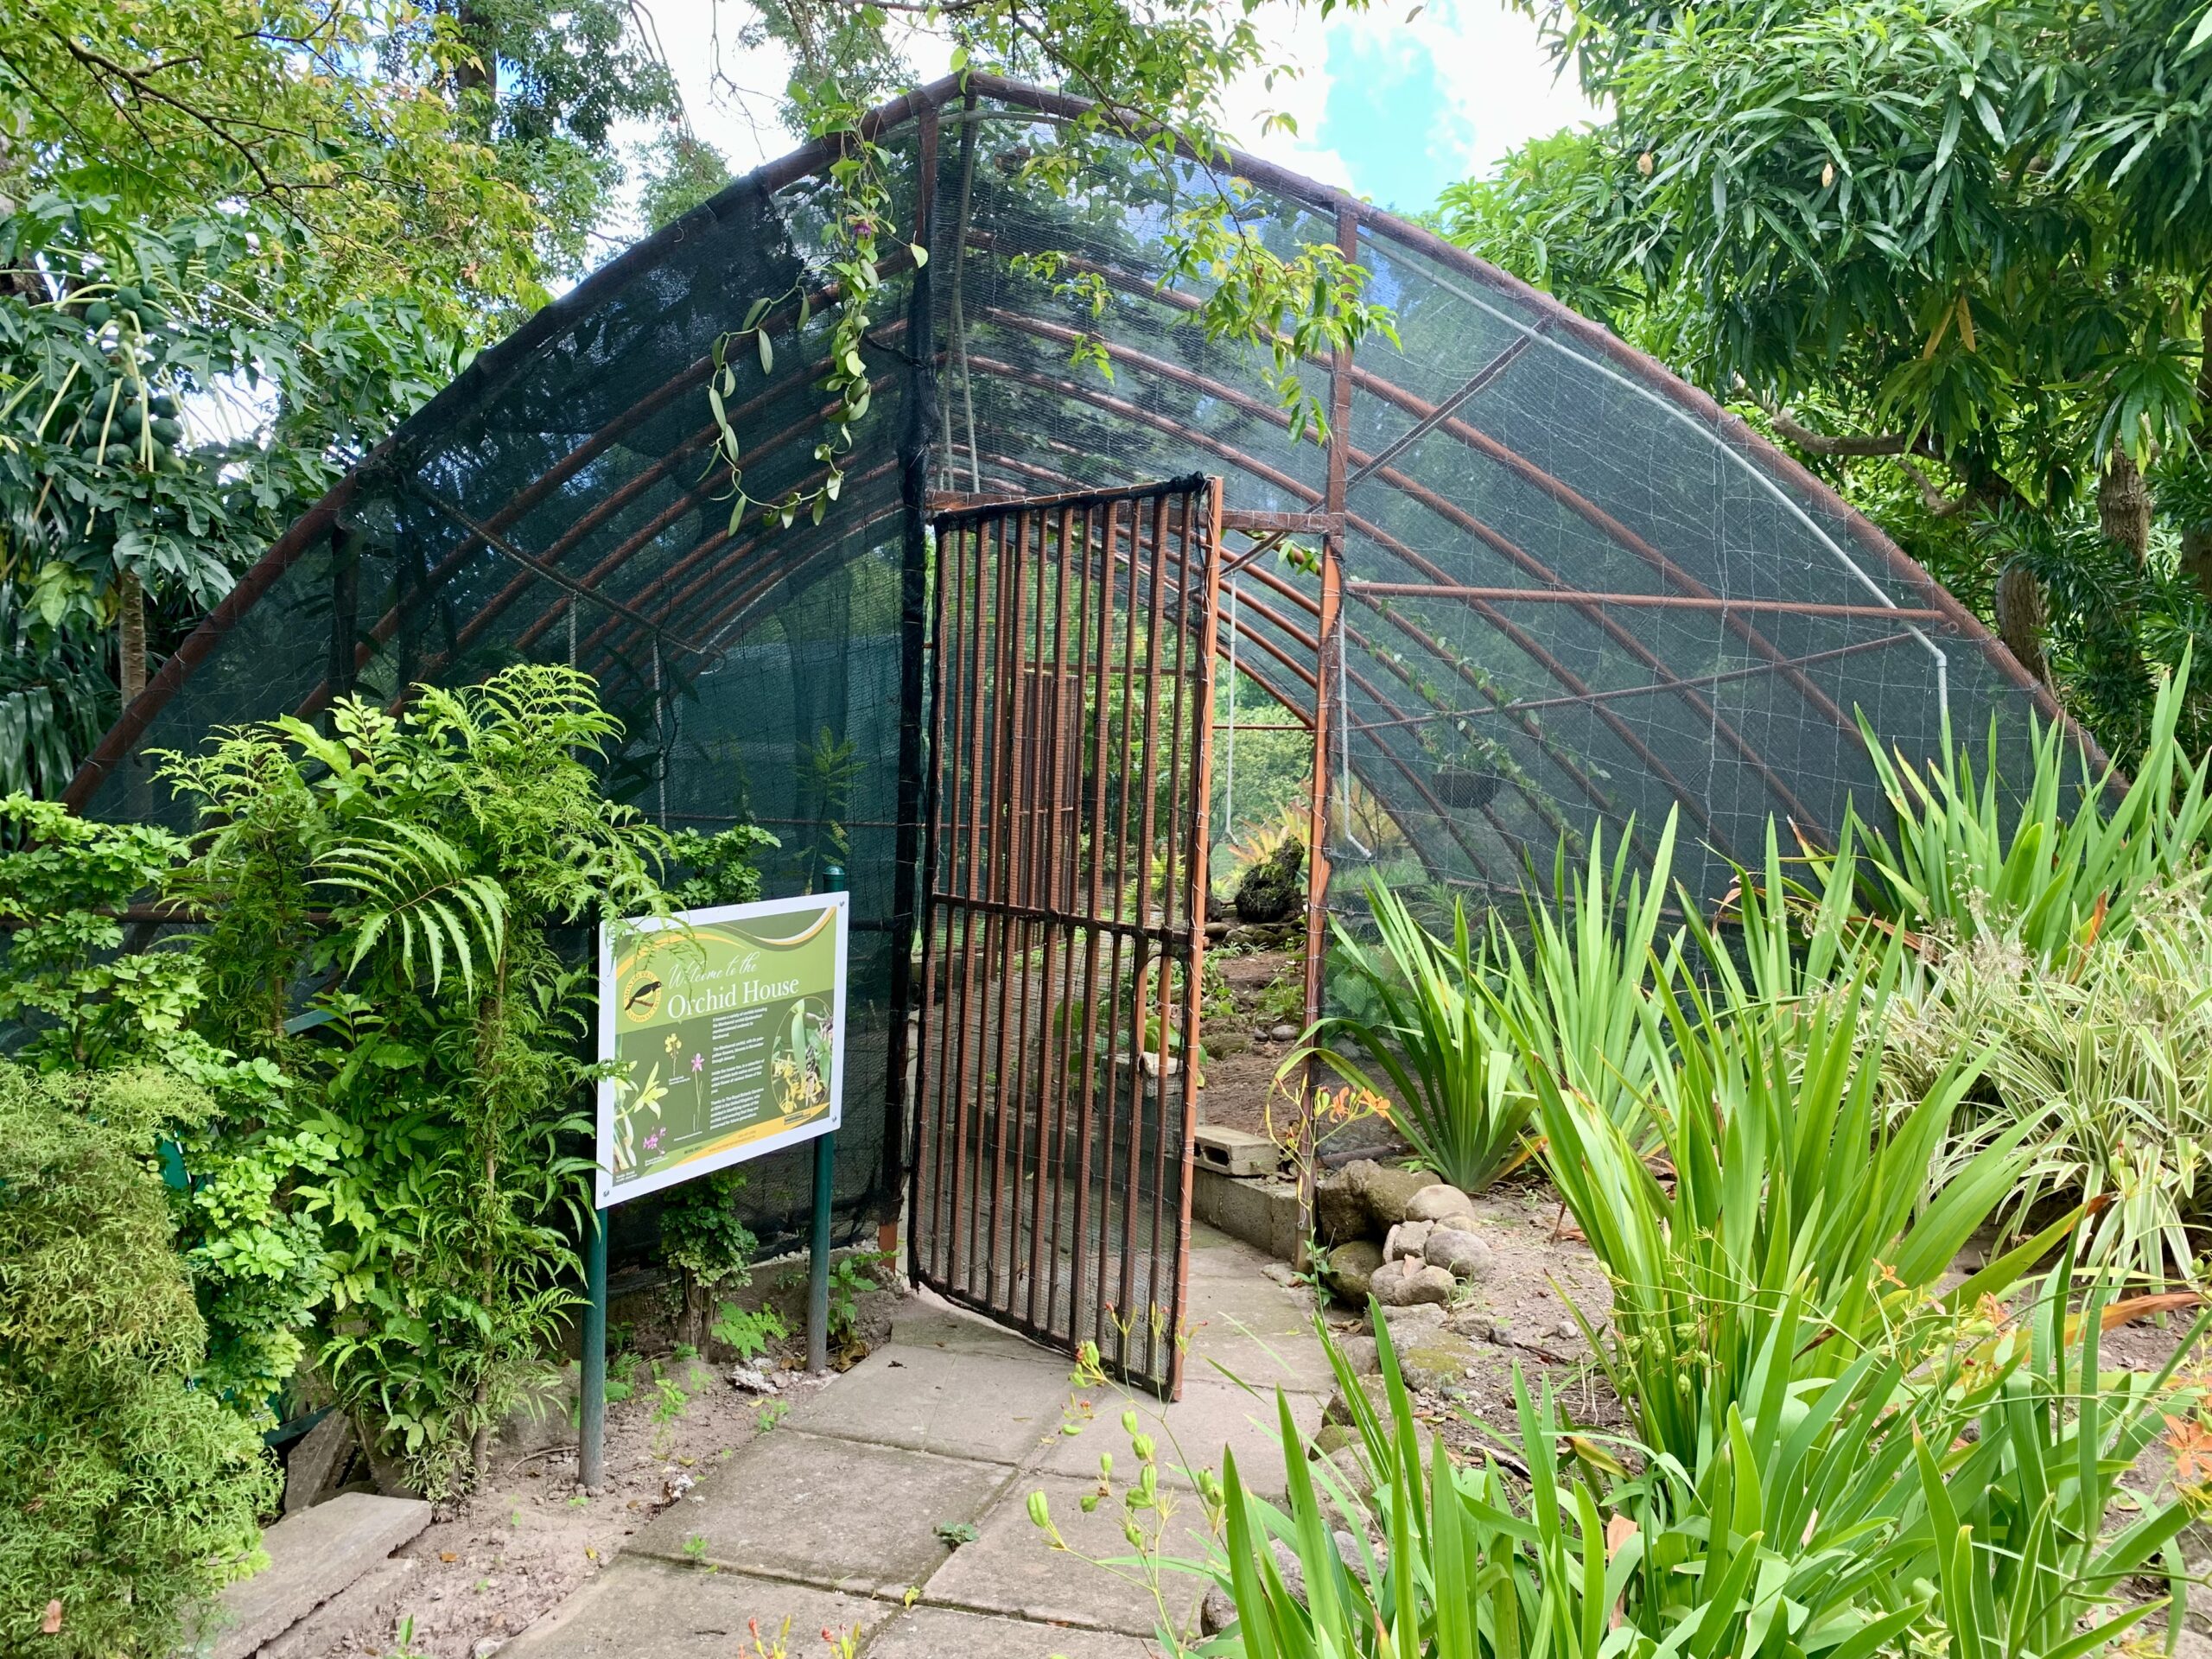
point(1531, 587)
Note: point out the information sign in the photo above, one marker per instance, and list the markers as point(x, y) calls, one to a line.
point(726, 1032)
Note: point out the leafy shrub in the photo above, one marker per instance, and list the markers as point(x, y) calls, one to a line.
point(447, 1048)
point(1577, 995)
point(127, 1496)
point(256, 1255)
point(1431, 1046)
point(1791, 1185)
point(711, 1248)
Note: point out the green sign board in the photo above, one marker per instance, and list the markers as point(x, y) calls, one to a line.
point(725, 1029)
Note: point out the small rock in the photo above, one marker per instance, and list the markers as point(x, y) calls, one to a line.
point(1406, 1238)
point(1221, 1044)
point(1285, 1032)
point(1438, 1200)
point(1218, 1611)
point(1471, 1323)
point(1385, 1190)
point(1360, 1354)
point(1339, 1213)
point(1411, 1326)
point(1350, 1271)
point(1281, 1272)
point(754, 1380)
point(1461, 1254)
point(1400, 1284)
point(1441, 1362)
point(485, 1648)
point(1570, 1329)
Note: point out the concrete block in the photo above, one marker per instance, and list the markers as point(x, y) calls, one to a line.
point(371, 1602)
point(1263, 1213)
point(313, 1556)
point(317, 1461)
point(1234, 1152)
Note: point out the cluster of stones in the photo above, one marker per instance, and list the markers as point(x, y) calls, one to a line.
point(1398, 1235)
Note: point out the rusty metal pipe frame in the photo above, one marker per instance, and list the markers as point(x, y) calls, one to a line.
point(1452, 512)
point(1690, 802)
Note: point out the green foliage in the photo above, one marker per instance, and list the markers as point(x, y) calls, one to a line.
point(1793, 1189)
point(85, 1004)
point(257, 1259)
point(749, 1334)
point(702, 1239)
point(445, 1057)
point(1577, 996)
point(1960, 1510)
point(2106, 1068)
point(128, 1496)
point(723, 869)
point(1434, 1047)
point(2054, 870)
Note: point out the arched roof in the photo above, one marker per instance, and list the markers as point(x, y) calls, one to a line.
point(1577, 589)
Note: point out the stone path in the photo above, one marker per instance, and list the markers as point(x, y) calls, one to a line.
point(836, 1519)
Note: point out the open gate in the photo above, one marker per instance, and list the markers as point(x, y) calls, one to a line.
point(1064, 915)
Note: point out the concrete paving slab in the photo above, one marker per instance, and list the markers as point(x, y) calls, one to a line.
point(944, 1633)
point(988, 1406)
point(313, 1555)
point(926, 1322)
point(1011, 1569)
point(1256, 1330)
point(1189, 1435)
point(836, 1512)
point(651, 1609)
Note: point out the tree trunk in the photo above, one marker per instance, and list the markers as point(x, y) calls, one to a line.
point(130, 629)
point(2124, 504)
point(2021, 617)
point(2196, 540)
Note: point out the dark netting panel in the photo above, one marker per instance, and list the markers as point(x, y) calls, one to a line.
point(1575, 593)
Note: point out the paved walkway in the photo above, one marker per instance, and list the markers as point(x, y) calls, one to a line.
point(837, 1517)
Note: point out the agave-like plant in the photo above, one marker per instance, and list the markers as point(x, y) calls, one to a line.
point(1780, 1172)
point(2051, 861)
point(1430, 1045)
point(1577, 1000)
point(1869, 1511)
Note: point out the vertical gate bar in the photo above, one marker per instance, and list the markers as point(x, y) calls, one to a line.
point(1014, 1096)
point(1327, 623)
point(989, 918)
point(1124, 774)
point(1199, 878)
point(1045, 890)
point(952, 581)
point(1081, 940)
point(921, 1137)
point(956, 1263)
point(1007, 792)
point(1172, 902)
point(1145, 1102)
point(1108, 946)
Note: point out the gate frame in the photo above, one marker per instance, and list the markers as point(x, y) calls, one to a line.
point(953, 520)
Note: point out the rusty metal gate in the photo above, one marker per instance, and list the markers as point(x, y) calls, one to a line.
point(1064, 915)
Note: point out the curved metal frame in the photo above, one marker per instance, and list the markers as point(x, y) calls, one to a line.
point(498, 366)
